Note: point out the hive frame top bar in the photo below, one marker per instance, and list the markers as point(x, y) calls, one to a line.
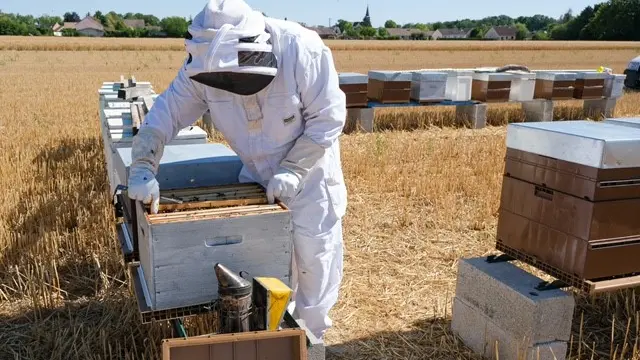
point(599, 145)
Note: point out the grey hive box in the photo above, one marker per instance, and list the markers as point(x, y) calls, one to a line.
point(428, 86)
point(232, 225)
point(599, 145)
point(188, 166)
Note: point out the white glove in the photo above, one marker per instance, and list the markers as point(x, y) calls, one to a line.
point(282, 186)
point(302, 157)
point(146, 151)
point(144, 187)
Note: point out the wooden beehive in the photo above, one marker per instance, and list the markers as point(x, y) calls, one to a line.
point(570, 194)
point(233, 225)
point(355, 87)
point(389, 87)
point(428, 86)
point(552, 85)
point(589, 85)
point(491, 87)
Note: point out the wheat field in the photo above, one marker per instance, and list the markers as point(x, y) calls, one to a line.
point(422, 194)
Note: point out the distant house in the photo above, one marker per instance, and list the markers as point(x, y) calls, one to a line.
point(87, 27)
point(134, 23)
point(324, 32)
point(451, 34)
point(501, 33)
point(408, 34)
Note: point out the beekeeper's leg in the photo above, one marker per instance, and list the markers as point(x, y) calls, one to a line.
point(318, 257)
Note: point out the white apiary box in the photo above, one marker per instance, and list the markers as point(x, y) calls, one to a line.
point(178, 247)
point(523, 86)
point(614, 86)
point(389, 87)
point(458, 86)
point(428, 86)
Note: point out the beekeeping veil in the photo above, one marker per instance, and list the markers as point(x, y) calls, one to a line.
point(228, 48)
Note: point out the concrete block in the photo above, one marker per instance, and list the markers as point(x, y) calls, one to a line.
point(475, 115)
point(363, 117)
point(506, 294)
point(486, 338)
point(538, 110)
point(599, 108)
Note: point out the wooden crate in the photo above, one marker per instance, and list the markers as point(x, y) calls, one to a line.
point(233, 225)
point(286, 344)
point(389, 87)
point(491, 87)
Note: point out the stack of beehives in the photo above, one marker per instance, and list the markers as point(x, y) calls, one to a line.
point(571, 195)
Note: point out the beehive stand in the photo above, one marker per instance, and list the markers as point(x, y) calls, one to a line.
point(205, 216)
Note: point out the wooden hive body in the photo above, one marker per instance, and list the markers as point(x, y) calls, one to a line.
point(554, 85)
point(570, 195)
point(355, 87)
point(389, 87)
point(491, 87)
point(232, 225)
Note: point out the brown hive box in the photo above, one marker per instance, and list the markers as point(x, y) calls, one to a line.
point(553, 85)
point(491, 87)
point(589, 85)
point(570, 196)
point(390, 87)
point(355, 87)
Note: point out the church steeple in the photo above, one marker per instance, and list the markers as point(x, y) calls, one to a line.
point(367, 19)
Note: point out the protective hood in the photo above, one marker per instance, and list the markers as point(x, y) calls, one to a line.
point(229, 48)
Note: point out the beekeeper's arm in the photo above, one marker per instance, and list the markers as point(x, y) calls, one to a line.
point(324, 116)
point(181, 105)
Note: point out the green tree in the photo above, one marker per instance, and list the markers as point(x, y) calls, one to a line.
point(540, 35)
point(98, 15)
point(174, 26)
point(382, 32)
point(521, 31)
point(71, 17)
point(616, 20)
point(390, 24)
point(367, 31)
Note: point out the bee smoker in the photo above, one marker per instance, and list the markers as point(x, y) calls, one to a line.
point(234, 303)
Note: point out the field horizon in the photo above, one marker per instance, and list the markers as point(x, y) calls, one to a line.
point(423, 193)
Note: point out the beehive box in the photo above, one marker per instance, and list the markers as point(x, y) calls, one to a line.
point(232, 225)
point(589, 85)
point(614, 86)
point(523, 86)
point(354, 85)
point(554, 85)
point(389, 87)
point(427, 86)
point(491, 87)
point(458, 86)
point(188, 166)
point(570, 195)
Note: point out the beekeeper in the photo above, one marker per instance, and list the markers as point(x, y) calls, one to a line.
point(272, 89)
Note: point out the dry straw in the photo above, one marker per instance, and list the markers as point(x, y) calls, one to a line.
point(421, 196)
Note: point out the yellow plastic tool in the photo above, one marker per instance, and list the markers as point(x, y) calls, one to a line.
point(277, 296)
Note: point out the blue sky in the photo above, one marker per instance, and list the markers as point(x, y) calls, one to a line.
point(316, 12)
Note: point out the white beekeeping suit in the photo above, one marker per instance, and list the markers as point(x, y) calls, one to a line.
point(272, 89)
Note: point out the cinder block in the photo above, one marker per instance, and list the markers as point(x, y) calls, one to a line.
point(476, 115)
point(486, 338)
point(363, 117)
point(599, 108)
point(538, 110)
point(506, 294)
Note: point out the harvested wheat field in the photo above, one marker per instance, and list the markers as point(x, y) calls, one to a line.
point(421, 195)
